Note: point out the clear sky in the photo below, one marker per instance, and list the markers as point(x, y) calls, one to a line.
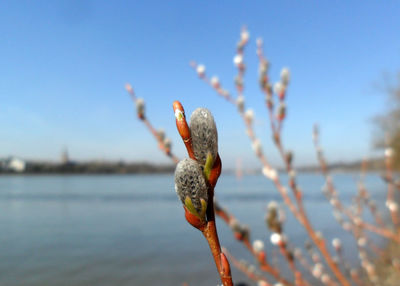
point(63, 66)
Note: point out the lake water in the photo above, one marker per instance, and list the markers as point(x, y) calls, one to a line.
point(130, 229)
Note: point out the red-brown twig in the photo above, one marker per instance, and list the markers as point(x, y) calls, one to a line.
point(364, 196)
point(243, 237)
point(387, 233)
point(163, 143)
point(208, 229)
point(390, 202)
point(245, 269)
point(299, 211)
point(185, 134)
point(303, 261)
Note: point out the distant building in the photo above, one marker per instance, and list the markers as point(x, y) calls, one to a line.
point(13, 164)
point(65, 157)
point(3, 164)
point(17, 165)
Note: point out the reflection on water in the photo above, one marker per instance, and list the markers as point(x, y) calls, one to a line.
point(130, 230)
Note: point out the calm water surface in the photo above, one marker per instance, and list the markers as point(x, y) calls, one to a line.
point(130, 229)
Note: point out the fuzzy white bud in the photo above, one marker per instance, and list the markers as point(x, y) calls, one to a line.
point(161, 135)
point(201, 69)
point(249, 115)
point(317, 270)
point(281, 111)
point(325, 278)
point(234, 223)
point(167, 143)
point(272, 205)
point(257, 148)
point(140, 102)
point(240, 103)
point(362, 241)
point(263, 68)
point(140, 106)
point(392, 205)
point(336, 243)
point(285, 76)
point(204, 135)
point(278, 88)
point(258, 245)
point(334, 202)
point(368, 266)
point(389, 152)
point(270, 173)
point(244, 35)
point(276, 238)
point(214, 81)
point(190, 182)
point(238, 60)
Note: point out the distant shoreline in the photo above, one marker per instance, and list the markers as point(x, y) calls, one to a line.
point(160, 169)
point(104, 168)
point(101, 168)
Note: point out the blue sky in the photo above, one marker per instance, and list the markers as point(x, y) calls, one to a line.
point(63, 66)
